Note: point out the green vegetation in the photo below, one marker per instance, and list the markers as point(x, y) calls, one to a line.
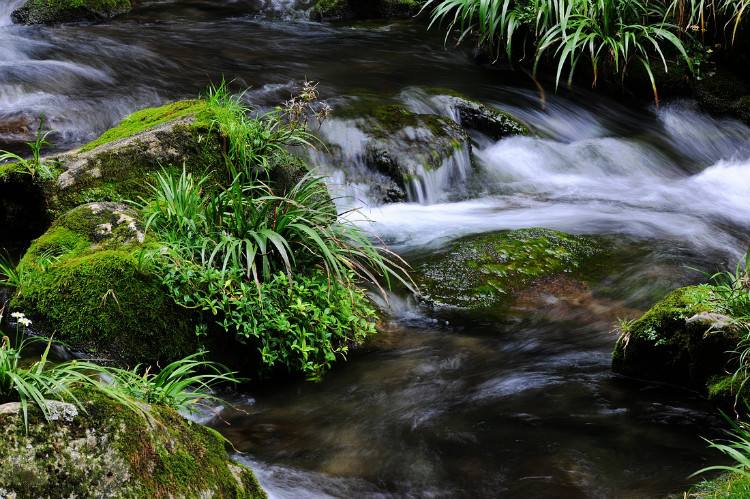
point(33, 385)
point(184, 384)
point(607, 36)
point(57, 11)
point(483, 271)
point(84, 281)
point(35, 167)
point(276, 269)
point(146, 119)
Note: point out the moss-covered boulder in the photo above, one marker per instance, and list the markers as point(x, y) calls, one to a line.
point(683, 339)
point(86, 283)
point(332, 10)
point(58, 11)
point(419, 153)
point(483, 271)
point(107, 450)
point(118, 165)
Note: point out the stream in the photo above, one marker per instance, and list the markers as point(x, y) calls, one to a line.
point(523, 405)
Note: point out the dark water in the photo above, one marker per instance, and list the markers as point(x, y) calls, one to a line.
point(519, 404)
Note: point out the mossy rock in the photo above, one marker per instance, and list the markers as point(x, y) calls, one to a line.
point(683, 339)
point(118, 165)
point(724, 93)
point(121, 163)
point(726, 486)
point(331, 10)
point(404, 146)
point(479, 117)
point(107, 450)
point(483, 271)
point(58, 11)
point(87, 285)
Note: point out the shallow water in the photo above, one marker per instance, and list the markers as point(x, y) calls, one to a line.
point(520, 405)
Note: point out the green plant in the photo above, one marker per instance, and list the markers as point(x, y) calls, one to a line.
point(248, 228)
point(34, 166)
point(615, 33)
point(251, 140)
point(182, 385)
point(42, 380)
point(736, 447)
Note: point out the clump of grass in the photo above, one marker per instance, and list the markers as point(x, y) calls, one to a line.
point(34, 165)
point(610, 35)
point(251, 140)
point(34, 385)
point(183, 385)
point(277, 268)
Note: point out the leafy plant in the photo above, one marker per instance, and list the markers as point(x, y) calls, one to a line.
point(737, 447)
point(33, 166)
point(615, 33)
point(36, 384)
point(183, 385)
point(251, 140)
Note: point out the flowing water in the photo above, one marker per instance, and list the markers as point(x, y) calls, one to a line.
point(523, 405)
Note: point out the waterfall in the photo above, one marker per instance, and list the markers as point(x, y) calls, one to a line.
point(6, 8)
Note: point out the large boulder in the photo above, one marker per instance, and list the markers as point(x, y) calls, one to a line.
point(85, 282)
point(118, 165)
point(684, 339)
point(107, 450)
point(59, 11)
point(484, 271)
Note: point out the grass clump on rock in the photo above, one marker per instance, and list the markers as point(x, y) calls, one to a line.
point(59, 11)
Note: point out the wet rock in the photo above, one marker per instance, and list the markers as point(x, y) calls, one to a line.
point(422, 154)
point(485, 271)
point(475, 116)
point(721, 92)
point(335, 10)
point(86, 281)
point(59, 11)
point(106, 450)
point(16, 129)
point(117, 165)
point(682, 339)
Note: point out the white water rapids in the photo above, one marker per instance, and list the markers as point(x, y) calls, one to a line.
point(580, 179)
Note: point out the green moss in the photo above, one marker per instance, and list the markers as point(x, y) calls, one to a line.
point(727, 486)
point(86, 286)
point(54, 11)
point(146, 119)
point(113, 452)
point(664, 344)
point(326, 9)
point(483, 271)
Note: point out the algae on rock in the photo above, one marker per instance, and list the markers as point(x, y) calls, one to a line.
point(478, 272)
point(109, 450)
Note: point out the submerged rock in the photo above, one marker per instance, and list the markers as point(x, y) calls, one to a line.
point(479, 272)
point(107, 450)
point(59, 11)
point(86, 283)
point(683, 339)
